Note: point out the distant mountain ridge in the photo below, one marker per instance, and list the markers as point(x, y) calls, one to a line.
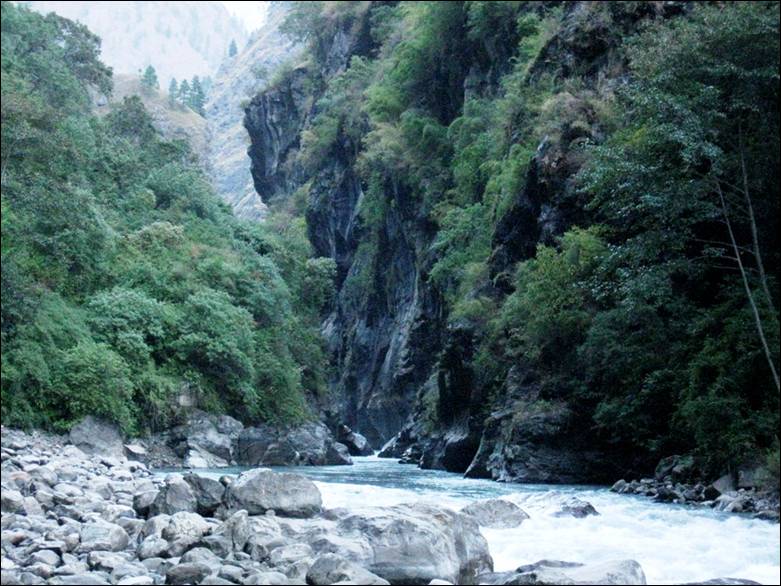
point(180, 39)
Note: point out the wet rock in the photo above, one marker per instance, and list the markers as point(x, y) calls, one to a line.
point(414, 544)
point(95, 436)
point(338, 454)
point(575, 507)
point(496, 513)
point(722, 582)
point(260, 490)
point(627, 572)
point(331, 569)
point(356, 443)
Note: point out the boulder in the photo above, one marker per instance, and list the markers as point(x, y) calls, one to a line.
point(357, 444)
point(496, 513)
point(416, 543)
point(190, 573)
point(208, 493)
point(626, 572)
point(135, 452)
point(575, 507)
point(331, 569)
point(175, 495)
point(310, 444)
point(101, 535)
point(184, 529)
point(338, 454)
point(261, 490)
point(724, 484)
point(206, 441)
point(95, 436)
point(678, 468)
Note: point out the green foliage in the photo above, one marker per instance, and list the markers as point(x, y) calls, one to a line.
point(125, 281)
point(149, 81)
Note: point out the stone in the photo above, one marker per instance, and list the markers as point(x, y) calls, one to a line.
point(724, 484)
point(626, 572)
point(184, 530)
point(575, 507)
point(331, 569)
point(188, 573)
point(356, 443)
point(338, 455)
point(259, 490)
point(95, 436)
point(496, 513)
point(135, 452)
point(310, 444)
point(144, 501)
point(45, 556)
point(175, 495)
point(415, 543)
point(208, 493)
point(152, 547)
point(11, 501)
point(102, 535)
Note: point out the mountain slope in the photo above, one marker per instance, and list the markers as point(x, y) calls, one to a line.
point(180, 39)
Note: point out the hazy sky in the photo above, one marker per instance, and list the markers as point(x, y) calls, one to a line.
point(253, 14)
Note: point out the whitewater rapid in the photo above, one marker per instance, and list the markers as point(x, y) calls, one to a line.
point(674, 544)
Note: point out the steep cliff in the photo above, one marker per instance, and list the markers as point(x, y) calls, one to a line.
point(436, 149)
point(240, 77)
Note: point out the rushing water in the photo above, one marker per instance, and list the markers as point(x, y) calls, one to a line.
point(673, 543)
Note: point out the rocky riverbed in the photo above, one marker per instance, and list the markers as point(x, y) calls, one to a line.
point(69, 517)
point(673, 483)
point(73, 517)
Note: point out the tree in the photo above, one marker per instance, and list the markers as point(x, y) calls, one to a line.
point(197, 99)
point(149, 79)
point(184, 92)
point(232, 50)
point(173, 92)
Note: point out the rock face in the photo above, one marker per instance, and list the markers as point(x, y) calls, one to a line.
point(238, 79)
point(310, 444)
point(496, 513)
point(93, 436)
point(260, 490)
point(398, 359)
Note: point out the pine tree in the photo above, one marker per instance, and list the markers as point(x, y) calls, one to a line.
point(184, 93)
point(173, 92)
point(197, 97)
point(149, 79)
point(233, 49)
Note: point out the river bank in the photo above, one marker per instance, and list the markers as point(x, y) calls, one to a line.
point(76, 518)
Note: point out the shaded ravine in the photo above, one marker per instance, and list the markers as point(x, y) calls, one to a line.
point(674, 544)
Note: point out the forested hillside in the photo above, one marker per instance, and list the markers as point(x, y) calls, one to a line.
point(129, 291)
point(554, 226)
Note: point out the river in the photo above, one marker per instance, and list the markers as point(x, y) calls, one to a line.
point(673, 543)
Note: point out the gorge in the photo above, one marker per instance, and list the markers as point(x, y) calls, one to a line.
point(454, 262)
